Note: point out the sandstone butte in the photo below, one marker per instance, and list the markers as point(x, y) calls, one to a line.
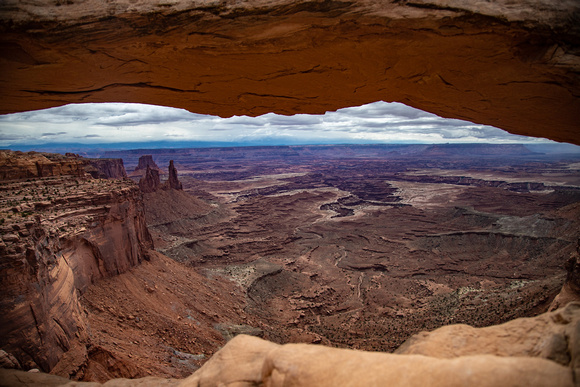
point(510, 64)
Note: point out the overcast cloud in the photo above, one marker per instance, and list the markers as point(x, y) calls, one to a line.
point(378, 122)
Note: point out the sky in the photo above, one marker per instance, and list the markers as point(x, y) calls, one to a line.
point(153, 126)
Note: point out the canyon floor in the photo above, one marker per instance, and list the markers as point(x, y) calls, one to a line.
point(361, 247)
point(348, 246)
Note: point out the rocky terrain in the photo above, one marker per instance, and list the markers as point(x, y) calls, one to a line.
point(85, 296)
point(540, 351)
point(362, 246)
point(294, 245)
point(510, 64)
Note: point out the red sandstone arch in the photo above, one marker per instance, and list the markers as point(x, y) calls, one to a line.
point(514, 66)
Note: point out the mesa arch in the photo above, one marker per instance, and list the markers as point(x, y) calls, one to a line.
point(511, 64)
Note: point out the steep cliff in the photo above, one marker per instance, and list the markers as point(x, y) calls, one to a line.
point(58, 236)
point(19, 165)
point(106, 168)
point(15, 165)
point(511, 64)
point(172, 181)
point(150, 182)
point(146, 161)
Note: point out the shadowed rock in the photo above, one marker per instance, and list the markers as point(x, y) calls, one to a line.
point(146, 161)
point(510, 64)
point(150, 182)
point(571, 289)
point(172, 182)
point(106, 168)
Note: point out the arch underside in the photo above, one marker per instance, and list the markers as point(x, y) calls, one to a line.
point(301, 57)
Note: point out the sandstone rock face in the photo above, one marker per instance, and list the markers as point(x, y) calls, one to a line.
point(540, 359)
point(571, 289)
point(106, 168)
point(150, 182)
point(524, 352)
point(172, 181)
point(146, 161)
point(550, 336)
point(511, 64)
point(18, 165)
point(546, 354)
point(67, 234)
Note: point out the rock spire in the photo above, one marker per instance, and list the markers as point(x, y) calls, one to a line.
point(172, 182)
point(150, 182)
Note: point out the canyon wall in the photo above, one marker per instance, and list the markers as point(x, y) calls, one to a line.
point(15, 165)
point(18, 165)
point(59, 235)
point(510, 64)
point(106, 168)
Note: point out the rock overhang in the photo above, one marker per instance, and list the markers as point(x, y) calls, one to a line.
point(513, 65)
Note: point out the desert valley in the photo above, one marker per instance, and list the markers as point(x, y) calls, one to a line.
point(146, 262)
point(141, 246)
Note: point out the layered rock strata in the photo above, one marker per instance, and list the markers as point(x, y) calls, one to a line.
point(58, 236)
point(106, 168)
point(16, 165)
point(19, 165)
point(150, 182)
point(172, 181)
point(510, 64)
point(146, 161)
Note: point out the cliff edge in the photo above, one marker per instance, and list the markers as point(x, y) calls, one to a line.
point(58, 236)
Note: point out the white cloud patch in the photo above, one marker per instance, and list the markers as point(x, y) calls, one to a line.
point(118, 122)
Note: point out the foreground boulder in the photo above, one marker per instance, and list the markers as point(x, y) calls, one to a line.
point(539, 351)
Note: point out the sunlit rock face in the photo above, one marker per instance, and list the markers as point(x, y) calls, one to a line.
point(511, 64)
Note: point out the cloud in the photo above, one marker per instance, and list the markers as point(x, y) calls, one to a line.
point(118, 122)
point(89, 136)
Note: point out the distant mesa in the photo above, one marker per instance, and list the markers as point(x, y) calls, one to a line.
point(15, 165)
point(476, 149)
point(146, 161)
point(151, 182)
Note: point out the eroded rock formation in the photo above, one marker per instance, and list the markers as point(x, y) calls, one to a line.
point(106, 168)
point(571, 289)
point(538, 351)
point(58, 236)
point(172, 181)
point(146, 161)
point(510, 64)
point(150, 182)
point(19, 165)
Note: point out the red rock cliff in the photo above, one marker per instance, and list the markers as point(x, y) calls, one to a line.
point(58, 236)
point(511, 64)
point(106, 168)
point(19, 165)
